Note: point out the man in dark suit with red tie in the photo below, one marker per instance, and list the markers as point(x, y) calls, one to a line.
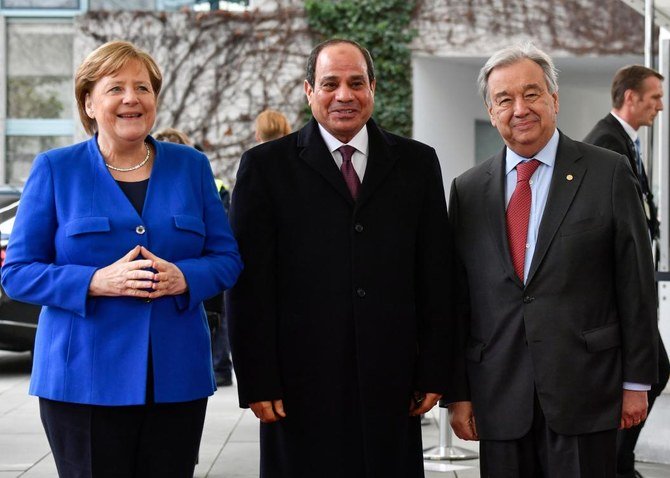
point(340, 320)
point(558, 299)
point(637, 97)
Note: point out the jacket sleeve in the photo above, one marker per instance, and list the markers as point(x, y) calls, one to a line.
point(251, 306)
point(220, 264)
point(435, 288)
point(461, 328)
point(31, 273)
point(635, 290)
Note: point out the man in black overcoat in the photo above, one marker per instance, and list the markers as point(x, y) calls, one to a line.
point(340, 320)
point(559, 304)
point(637, 97)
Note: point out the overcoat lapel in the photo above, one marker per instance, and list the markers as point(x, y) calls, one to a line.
point(315, 153)
point(495, 202)
point(381, 158)
point(568, 175)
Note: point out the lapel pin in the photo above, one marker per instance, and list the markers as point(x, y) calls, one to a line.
point(569, 177)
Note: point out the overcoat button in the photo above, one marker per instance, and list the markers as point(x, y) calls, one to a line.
point(140, 229)
point(361, 292)
point(528, 299)
point(358, 228)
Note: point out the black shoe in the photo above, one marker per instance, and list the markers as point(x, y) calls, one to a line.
point(222, 381)
point(630, 474)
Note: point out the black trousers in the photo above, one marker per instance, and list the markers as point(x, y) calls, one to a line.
point(542, 453)
point(144, 441)
point(627, 439)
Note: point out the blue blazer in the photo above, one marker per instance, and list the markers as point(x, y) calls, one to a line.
point(74, 219)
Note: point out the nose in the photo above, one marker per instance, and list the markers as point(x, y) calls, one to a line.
point(344, 94)
point(520, 106)
point(130, 97)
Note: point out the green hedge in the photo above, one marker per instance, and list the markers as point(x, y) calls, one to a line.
point(383, 27)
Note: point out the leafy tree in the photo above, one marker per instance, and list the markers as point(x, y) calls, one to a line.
point(383, 27)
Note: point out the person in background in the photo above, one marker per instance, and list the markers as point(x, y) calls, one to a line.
point(340, 321)
point(557, 300)
point(173, 135)
point(637, 97)
point(271, 124)
point(120, 238)
point(221, 360)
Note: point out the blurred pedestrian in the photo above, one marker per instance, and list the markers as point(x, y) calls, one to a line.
point(221, 360)
point(120, 239)
point(637, 98)
point(271, 124)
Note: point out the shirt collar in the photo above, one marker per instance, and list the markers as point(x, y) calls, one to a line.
point(630, 131)
point(359, 141)
point(547, 155)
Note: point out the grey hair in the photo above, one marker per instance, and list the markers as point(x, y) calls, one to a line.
point(512, 54)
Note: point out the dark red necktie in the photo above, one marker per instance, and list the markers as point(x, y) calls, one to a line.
point(348, 171)
point(518, 214)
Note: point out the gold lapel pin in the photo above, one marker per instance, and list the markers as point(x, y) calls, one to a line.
point(569, 177)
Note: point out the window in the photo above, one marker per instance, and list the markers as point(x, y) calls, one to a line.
point(49, 8)
point(487, 141)
point(39, 92)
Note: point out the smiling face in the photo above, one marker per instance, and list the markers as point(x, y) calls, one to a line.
point(342, 98)
point(521, 107)
point(123, 105)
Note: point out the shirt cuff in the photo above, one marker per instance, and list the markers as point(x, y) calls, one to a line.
point(636, 387)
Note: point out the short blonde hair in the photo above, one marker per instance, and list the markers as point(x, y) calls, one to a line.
point(104, 61)
point(172, 135)
point(271, 124)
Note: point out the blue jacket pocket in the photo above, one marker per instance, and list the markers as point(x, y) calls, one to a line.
point(190, 223)
point(85, 225)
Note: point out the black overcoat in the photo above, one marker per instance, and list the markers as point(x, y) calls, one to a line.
point(343, 307)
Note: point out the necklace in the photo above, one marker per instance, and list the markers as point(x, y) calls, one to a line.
point(132, 168)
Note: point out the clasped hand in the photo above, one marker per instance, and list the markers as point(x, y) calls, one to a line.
point(131, 277)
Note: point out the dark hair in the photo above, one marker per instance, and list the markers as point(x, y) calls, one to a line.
point(630, 77)
point(314, 55)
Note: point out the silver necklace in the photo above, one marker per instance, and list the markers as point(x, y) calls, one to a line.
point(132, 168)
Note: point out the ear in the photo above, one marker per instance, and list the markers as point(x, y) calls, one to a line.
point(88, 106)
point(629, 96)
point(308, 91)
point(492, 117)
point(556, 104)
point(373, 87)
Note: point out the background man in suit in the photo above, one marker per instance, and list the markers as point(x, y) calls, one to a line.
point(558, 298)
point(340, 322)
point(637, 94)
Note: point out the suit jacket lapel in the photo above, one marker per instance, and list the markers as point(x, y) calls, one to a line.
point(315, 153)
point(495, 202)
point(567, 177)
point(381, 158)
point(632, 152)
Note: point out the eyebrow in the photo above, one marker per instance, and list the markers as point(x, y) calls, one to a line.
point(336, 78)
point(526, 87)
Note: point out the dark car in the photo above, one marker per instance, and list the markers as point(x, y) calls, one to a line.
point(18, 320)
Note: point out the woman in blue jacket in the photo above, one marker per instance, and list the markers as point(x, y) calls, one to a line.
point(120, 239)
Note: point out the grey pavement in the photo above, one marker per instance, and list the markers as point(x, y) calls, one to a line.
point(229, 446)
